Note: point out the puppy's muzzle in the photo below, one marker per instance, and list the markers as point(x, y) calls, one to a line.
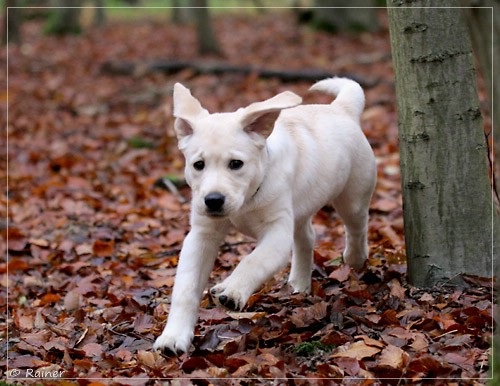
point(214, 203)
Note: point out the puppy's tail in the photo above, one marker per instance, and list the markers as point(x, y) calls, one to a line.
point(350, 95)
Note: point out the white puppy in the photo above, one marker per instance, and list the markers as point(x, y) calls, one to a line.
point(269, 189)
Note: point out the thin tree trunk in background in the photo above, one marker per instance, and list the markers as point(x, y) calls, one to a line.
point(65, 19)
point(100, 13)
point(445, 184)
point(207, 42)
point(12, 31)
point(180, 15)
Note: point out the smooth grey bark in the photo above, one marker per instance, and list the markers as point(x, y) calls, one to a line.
point(447, 200)
point(484, 23)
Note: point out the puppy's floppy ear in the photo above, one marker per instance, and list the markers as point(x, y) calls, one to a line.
point(260, 116)
point(186, 109)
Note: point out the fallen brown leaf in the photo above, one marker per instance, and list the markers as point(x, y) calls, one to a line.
point(357, 350)
point(393, 356)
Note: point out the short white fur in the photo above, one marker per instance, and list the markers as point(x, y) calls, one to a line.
point(315, 155)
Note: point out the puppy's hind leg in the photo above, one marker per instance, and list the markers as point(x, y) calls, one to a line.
point(355, 218)
point(302, 258)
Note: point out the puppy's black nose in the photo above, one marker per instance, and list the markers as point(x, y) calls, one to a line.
point(214, 201)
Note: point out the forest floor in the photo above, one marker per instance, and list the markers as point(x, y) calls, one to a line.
point(94, 237)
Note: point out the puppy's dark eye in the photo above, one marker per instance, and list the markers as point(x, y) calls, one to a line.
point(235, 164)
point(199, 165)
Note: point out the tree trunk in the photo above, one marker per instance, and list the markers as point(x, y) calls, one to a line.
point(64, 19)
point(484, 23)
point(207, 42)
point(12, 21)
point(446, 191)
point(100, 13)
point(483, 26)
point(345, 18)
point(179, 14)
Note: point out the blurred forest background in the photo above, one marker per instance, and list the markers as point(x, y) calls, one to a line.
point(97, 206)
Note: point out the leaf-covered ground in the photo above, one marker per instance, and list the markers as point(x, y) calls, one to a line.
point(93, 236)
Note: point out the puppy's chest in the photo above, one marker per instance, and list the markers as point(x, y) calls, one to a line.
point(250, 224)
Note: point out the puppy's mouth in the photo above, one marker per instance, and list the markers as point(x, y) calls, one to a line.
point(215, 214)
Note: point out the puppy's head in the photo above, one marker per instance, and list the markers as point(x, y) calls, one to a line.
point(225, 152)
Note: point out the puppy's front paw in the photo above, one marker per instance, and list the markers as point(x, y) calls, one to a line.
point(173, 342)
point(232, 299)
